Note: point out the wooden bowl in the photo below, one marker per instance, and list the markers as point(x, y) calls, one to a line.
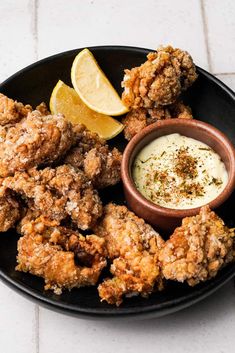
point(168, 218)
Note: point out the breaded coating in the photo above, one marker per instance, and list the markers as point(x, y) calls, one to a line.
point(198, 249)
point(137, 119)
point(43, 109)
point(34, 140)
point(180, 110)
point(124, 231)
point(12, 111)
point(58, 193)
point(85, 140)
point(9, 211)
point(103, 166)
point(133, 246)
point(160, 80)
point(135, 274)
point(63, 257)
point(91, 154)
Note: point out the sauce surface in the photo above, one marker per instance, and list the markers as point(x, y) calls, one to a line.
point(179, 172)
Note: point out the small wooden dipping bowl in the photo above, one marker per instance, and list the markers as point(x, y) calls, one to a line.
point(168, 218)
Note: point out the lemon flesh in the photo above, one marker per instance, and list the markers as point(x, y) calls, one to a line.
point(66, 101)
point(93, 87)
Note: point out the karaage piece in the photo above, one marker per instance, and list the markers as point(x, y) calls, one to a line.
point(85, 140)
point(124, 232)
point(180, 110)
point(9, 211)
point(198, 249)
point(12, 111)
point(58, 193)
point(137, 119)
point(91, 154)
point(33, 141)
point(138, 273)
point(160, 80)
point(133, 246)
point(103, 166)
point(63, 257)
point(43, 109)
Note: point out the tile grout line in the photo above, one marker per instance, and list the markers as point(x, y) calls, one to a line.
point(224, 73)
point(205, 30)
point(35, 28)
point(37, 348)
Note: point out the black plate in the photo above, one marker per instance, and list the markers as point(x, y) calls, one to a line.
point(211, 101)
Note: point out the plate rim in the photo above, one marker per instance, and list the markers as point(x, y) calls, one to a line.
point(110, 47)
point(165, 308)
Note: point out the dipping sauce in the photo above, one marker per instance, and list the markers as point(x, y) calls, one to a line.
point(179, 172)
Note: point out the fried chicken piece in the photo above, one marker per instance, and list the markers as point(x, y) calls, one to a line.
point(160, 80)
point(63, 257)
point(198, 249)
point(35, 140)
point(85, 141)
point(12, 111)
point(135, 274)
point(125, 232)
point(133, 246)
point(9, 211)
point(43, 109)
point(137, 119)
point(101, 165)
point(58, 193)
point(180, 110)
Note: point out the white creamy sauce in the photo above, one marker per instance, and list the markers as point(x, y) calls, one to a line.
point(179, 172)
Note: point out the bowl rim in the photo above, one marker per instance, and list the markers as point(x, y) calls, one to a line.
point(130, 186)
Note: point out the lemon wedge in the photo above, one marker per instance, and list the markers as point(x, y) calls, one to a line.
point(66, 101)
point(93, 87)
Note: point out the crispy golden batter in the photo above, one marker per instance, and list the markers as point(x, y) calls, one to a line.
point(137, 119)
point(12, 111)
point(58, 193)
point(103, 166)
point(43, 109)
point(9, 211)
point(160, 80)
point(133, 246)
point(124, 231)
point(86, 139)
point(180, 110)
point(63, 257)
point(100, 164)
point(198, 249)
point(33, 141)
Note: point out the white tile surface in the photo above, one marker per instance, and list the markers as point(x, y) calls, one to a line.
point(221, 34)
point(17, 323)
point(17, 47)
point(16, 36)
point(229, 80)
point(207, 326)
point(134, 22)
point(62, 25)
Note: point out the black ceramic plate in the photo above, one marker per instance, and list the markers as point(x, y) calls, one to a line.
point(211, 101)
